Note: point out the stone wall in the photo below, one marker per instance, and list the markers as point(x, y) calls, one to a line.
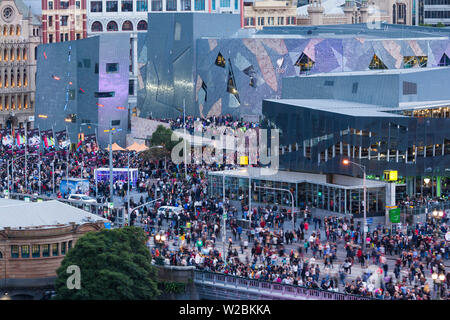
point(142, 128)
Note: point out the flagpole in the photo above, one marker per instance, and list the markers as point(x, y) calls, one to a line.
point(12, 152)
point(26, 143)
point(67, 160)
point(39, 161)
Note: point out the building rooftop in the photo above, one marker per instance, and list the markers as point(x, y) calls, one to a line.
point(386, 31)
point(17, 214)
point(346, 182)
point(350, 108)
point(376, 72)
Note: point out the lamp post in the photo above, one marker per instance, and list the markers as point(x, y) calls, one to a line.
point(11, 163)
point(292, 200)
point(224, 232)
point(363, 168)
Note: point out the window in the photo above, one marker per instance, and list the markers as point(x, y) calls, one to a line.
point(87, 63)
point(96, 6)
point(270, 21)
point(55, 249)
point(97, 27)
point(96, 68)
point(131, 87)
point(63, 248)
point(35, 251)
point(304, 62)
point(109, 94)
point(50, 5)
point(141, 5)
point(66, 37)
point(45, 250)
point(355, 87)
point(112, 26)
point(64, 20)
point(177, 31)
point(111, 6)
point(127, 26)
point(445, 61)
point(25, 251)
point(127, 6)
point(14, 251)
point(280, 21)
point(329, 83)
point(409, 88)
point(156, 5)
point(69, 245)
point(112, 67)
point(64, 4)
point(78, 4)
point(50, 38)
point(260, 21)
point(376, 63)
point(171, 5)
point(142, 25)
point(78, 36)
point(225, 3)
point(186, 5)
point(220, 61)
point(50, 21)
point(199, 5)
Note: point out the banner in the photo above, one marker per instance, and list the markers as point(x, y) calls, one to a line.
point(7, 139)
point(19, 139)
point(90, 142)
point(33, 140)
point(394, 215)
point(63, 140)
point(48, 141)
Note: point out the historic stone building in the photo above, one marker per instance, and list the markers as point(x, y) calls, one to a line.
point(20, 35)
point(34, 241)
point(329, 12)
point(259, 14)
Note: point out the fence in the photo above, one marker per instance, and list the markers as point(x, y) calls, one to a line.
point(265, 288)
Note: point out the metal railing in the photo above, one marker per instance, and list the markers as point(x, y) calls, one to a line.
point(259, 287)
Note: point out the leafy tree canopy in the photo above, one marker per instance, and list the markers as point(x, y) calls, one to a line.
point(114, 265)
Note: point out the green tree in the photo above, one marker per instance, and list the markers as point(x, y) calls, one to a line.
point(114, 265)
point(440, 25)
point(163, 137)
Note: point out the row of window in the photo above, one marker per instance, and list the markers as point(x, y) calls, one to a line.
point(125, 6)
point(13, 54)
point(156, 5)
point(63, 20)
point(63, 37)
point(437, 14)
point(12, 102)
point(63, 5)
point(47, 250)
point(14, 78)
point(270, 21)
point(112, 26)
point(10, 30)
point(437, 2)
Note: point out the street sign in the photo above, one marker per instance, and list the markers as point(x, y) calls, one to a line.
point(107, 225)
point(369, 220)
point(390, 175)
point(366, 229)
point(5, 192)
point(39, 200)
point(394, 215)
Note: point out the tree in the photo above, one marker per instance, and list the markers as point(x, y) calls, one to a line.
point(114, 265)
point(163, 137)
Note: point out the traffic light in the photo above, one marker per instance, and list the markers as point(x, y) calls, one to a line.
point(73, 117)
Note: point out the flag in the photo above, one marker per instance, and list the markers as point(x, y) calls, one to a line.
point(79, 144)
point(46, 141)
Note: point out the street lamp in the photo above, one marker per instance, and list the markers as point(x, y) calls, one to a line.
point(347, 162)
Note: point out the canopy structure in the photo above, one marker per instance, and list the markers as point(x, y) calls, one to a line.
point(115, 147)
point(133, 147)
point(141, 147)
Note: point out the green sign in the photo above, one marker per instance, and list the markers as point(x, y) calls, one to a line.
point(394, 215)
point(111, 205)
point(225, 216)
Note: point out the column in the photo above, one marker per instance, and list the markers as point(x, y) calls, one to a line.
point(71, 21)
point(57, 36)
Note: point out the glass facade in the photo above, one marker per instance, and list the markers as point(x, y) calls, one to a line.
point(319, 140)
point(330, 197)
point(141, 5)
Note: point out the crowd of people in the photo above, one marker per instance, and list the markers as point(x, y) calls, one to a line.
point(320, 252)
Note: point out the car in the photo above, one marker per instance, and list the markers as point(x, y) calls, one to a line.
point(172, 210)
point(82, 197)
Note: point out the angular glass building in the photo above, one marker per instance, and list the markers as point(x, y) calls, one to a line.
point(384, 120)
